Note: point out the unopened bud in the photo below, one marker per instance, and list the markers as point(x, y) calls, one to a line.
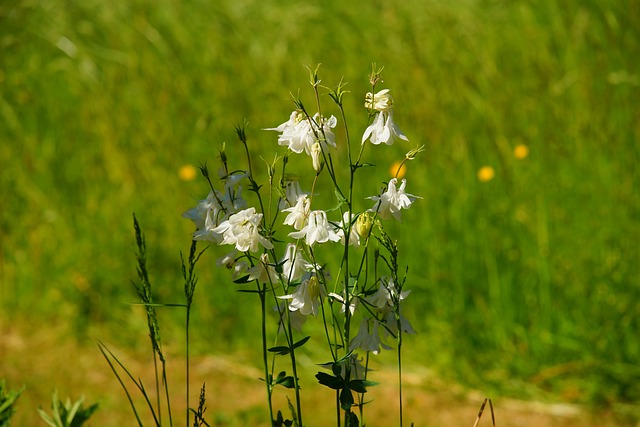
point(364, 224)
point(316, 156)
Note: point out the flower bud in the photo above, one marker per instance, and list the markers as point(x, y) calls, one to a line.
point(364, 224)
point(316, 156)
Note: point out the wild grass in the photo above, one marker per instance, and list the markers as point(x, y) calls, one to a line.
point(526, 284)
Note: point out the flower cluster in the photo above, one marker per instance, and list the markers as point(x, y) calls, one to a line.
point(280, 254)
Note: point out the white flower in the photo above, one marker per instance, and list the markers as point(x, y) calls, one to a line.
point(299, 213)
point(353, 302)
point(368, 341)
point(307, 297)
point(263, 271)
point(385, 294)
point(228, 260)
point(208, 210)
point(381, 101)
point(383, 129)
point(392, 201)
point(292, 193)
point(296, 318)
point(390, 321)
point(317, 230)
point(300, 133)
point(347, 222)
point(294, 266)
point(242, 230)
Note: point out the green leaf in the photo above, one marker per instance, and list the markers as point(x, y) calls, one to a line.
point(286, 382)
point(330, 381)
point(281, 350)
point(358, 386)
point(346, 399)
point(242, 280)
point(300, 343)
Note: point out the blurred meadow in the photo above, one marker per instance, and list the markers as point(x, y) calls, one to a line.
point(522, 252)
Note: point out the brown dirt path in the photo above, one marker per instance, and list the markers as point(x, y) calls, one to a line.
point(45, 361)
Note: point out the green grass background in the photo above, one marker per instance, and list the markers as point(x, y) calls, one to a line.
point(526, 285)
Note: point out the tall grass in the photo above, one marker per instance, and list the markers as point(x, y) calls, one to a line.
point(525, 283)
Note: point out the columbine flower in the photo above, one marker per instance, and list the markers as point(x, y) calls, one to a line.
point(208, 209)
point(294, 266)
point(381, 101)
point(299, 133)
point(385, 294)
point(241, 229)
point(296, 318)
point(299, 213)
point(353, 302)
point(354, 236)
point(307, 297)
point(368, 340)
point(392, 201)
point(392, 324)
point(292, 193)
point(383, 129)
point(317, 230)
point(263, 272)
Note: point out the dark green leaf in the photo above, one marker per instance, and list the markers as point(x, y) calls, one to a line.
point(301, 342)
point(346, 399)
point(330, 381)
point(281, 350)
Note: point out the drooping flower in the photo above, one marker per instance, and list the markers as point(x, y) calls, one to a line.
point(292, 193)
point(353, 302)
point(385, 294)
point(263, 271)
point(299, 213)
point(307, 297)
point(383, 130)
point(296, 318)
point(392, 201)
point(299, 133)
point(242, 230)
point(347, 222)
point(316, 230)
point(381, 101)
point(392, 324)
point(368, 340)
point(294, 266)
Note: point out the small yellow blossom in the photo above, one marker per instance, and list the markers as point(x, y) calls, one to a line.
point(521, 151)
point(398, 170)
point(486, 173)
point(187, 173)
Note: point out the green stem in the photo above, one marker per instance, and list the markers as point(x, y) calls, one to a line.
point(265, 359)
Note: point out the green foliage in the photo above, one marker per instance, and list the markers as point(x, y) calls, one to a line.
point(7, 404)
point(67, 414)
point(535, 272)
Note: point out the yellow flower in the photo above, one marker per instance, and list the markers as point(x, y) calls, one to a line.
point(486, 173)
point(398, 170)
point(187, 173)
point(521, 151)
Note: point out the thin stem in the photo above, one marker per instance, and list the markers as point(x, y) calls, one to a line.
point(265, 359)
point(187, 366)
point(155, 369)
